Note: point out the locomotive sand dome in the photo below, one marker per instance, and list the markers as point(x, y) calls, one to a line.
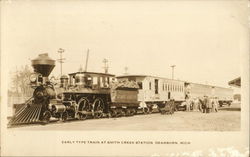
point(34, 110)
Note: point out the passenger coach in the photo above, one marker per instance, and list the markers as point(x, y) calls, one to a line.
point(196, 90)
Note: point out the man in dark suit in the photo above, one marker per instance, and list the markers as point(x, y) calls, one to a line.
point(206, 104)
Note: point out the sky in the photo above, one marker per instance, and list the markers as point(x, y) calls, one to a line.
point(204, 39)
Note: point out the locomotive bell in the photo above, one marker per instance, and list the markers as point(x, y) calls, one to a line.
point(43, 64)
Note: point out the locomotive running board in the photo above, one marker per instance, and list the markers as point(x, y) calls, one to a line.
point(26, 115)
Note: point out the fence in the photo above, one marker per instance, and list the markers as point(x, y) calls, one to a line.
point(14, 100)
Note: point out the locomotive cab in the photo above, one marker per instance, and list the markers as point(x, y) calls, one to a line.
point(90, 80)
point(83, 80)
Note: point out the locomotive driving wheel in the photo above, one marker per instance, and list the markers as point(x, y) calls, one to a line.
point(83, 106)
point(98, 107)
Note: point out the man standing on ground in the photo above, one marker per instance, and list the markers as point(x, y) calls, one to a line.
point(206, 104)
point(188, 103)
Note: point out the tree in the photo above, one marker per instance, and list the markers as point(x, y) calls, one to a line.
point(20, 82)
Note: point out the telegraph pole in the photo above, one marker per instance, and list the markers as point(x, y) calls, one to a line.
point(126, 70)
point(86, 63)
point(173, 66)
point(60, 60)
point(106, 67)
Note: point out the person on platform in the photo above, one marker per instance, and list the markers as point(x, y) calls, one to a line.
point(196, 105)
point(201, 104)
point(206, 104)
point(216, 104)
point(210, 104)
point(213, 104)
point(188, 104)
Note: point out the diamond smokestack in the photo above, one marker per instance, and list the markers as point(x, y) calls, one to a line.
point(43, 64)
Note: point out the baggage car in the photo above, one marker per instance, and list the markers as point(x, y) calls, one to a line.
point(157, 92)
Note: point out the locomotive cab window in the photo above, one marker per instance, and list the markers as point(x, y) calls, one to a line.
point(95, 81)
point(79, 79)
point(71, 81)
point(88, 81)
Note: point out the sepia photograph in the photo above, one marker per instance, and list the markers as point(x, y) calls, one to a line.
point(125, 78)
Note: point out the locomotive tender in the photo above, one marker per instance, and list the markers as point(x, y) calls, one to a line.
point(90, 94)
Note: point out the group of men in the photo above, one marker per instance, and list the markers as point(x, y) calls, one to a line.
point(205, 104)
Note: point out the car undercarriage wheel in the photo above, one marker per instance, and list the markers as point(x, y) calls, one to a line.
point(120, 113)
point(113, 113)
point(127, 112)
point(132, 111)
point(150, 110)
point(98, 107)
point(163, 111)
point(145, 110)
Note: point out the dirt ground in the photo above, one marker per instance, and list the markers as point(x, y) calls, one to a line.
point(227, 119)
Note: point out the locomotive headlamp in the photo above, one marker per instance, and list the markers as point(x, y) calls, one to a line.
point(33, 77)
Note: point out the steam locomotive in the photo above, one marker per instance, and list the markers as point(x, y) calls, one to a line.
point(82, 95)
point(37, 109)
point(88, 94)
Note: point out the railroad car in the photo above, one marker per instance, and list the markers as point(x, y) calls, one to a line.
point(124, 99)
point(196, 90)
point(157, 92)
point(224, 95)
